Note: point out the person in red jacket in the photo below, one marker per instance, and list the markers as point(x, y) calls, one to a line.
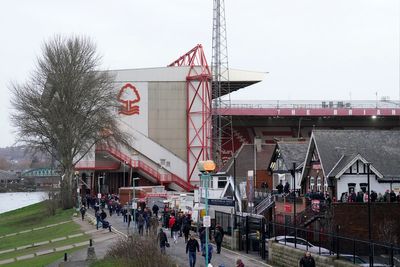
point(171, 223)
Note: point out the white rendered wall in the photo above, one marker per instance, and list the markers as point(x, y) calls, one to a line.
point(342, 184)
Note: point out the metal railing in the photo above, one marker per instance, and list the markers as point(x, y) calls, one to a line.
point(315, 104)
point(264, 204)
point(354, 250)
point(254, 233)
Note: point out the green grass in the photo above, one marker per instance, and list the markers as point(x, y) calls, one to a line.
point(34, 216)
point(30, 217)
point(39, 235)
point(32, 250)
point(41, 261)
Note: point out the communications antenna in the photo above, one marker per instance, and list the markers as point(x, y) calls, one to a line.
point(222, 132)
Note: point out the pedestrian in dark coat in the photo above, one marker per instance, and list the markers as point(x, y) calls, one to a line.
point(140, 222)
point(163, 240)
point(186, 230)
point(83, 211)
point(218, 236)
point(307, 260)
point(155, 209)
point(191, 247)
point(202, 238)
point(286, 188)
point(279, 187)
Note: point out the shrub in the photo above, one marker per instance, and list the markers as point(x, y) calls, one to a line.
point(138, 251)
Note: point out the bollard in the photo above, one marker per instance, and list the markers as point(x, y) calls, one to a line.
point(65, 257)
point(90, 243)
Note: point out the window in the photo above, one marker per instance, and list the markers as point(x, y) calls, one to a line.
point(312, 180)
point(364, 187)
point(326, 184)
point(352, 187)
point(222, 182)
point(319, 183)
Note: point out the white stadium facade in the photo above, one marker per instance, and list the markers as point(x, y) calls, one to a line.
point(167, 112)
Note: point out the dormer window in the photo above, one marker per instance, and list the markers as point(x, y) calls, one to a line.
point(319, 184)
point(312, 183)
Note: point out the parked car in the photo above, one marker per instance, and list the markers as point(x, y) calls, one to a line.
point(359, 261)
point(302, 244)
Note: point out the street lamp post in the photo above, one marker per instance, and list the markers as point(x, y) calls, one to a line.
point(77, 189)
point(134, 203)
point(234, 191)
point(371, 263)
point(294, 204)
point(206, 167)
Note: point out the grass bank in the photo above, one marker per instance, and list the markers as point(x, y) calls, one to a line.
point(31, 217)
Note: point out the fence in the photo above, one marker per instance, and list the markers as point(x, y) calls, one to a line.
point(254, 233)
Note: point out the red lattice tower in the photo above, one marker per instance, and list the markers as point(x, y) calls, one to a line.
point(198, 109)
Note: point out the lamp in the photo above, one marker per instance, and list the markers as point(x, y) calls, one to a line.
point(206, 167)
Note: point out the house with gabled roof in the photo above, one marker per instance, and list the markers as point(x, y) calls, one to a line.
point(336, 161)
point(285, 155)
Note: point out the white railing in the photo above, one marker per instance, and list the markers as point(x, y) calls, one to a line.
point(264, 204)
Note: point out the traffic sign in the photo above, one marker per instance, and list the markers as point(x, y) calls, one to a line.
point(207, 221)
point(99, 195)
point(134, 205)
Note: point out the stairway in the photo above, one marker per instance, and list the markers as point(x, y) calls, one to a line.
point(265, 204)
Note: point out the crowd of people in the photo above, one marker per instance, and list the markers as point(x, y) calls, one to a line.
point(388, 196)
point(147, 222)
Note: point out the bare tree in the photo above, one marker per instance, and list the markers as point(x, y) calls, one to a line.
point(67, 106)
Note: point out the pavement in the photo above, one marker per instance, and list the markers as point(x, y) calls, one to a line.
point(227, 258)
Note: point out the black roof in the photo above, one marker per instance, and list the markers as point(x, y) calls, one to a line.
point(293, 151)
point(379, 147)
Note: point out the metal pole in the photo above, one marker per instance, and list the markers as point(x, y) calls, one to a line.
point(234, 192)
point(294, 204)
point(77, 190)
point(133, 199)
point(371, 260)
point(206, 177)
point(254, 175)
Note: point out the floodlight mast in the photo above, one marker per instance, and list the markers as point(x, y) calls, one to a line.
point(222, 131)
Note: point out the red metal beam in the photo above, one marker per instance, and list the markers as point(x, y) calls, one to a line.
point(198, 109)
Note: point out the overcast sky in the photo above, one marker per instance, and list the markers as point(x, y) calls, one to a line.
point(312, 49)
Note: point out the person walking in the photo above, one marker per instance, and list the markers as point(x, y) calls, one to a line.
point(163, 240)
point(155, 209)
point(175, 230)
point(186, 230)
point(83, 211)
point(171, 223)
point(307, 260)
point(140, 222)
point(218, 236)
point(210, 252)
point(191, 247)
point(202, 238)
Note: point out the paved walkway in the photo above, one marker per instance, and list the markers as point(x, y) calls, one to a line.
point(178, 251)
